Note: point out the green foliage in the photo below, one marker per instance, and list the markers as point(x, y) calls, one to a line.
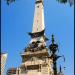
point(62, 1)
point(71, 2)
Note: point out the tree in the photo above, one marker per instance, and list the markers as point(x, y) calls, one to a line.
point(71, 2)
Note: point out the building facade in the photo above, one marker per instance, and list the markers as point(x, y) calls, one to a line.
point(3, 62)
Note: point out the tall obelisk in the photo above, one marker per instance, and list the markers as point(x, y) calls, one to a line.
point(35, 59)
point(38, 23)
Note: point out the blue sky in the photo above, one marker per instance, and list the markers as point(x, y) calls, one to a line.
point(17, 21)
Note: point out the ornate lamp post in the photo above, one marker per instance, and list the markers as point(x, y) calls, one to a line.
point(53, 48)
